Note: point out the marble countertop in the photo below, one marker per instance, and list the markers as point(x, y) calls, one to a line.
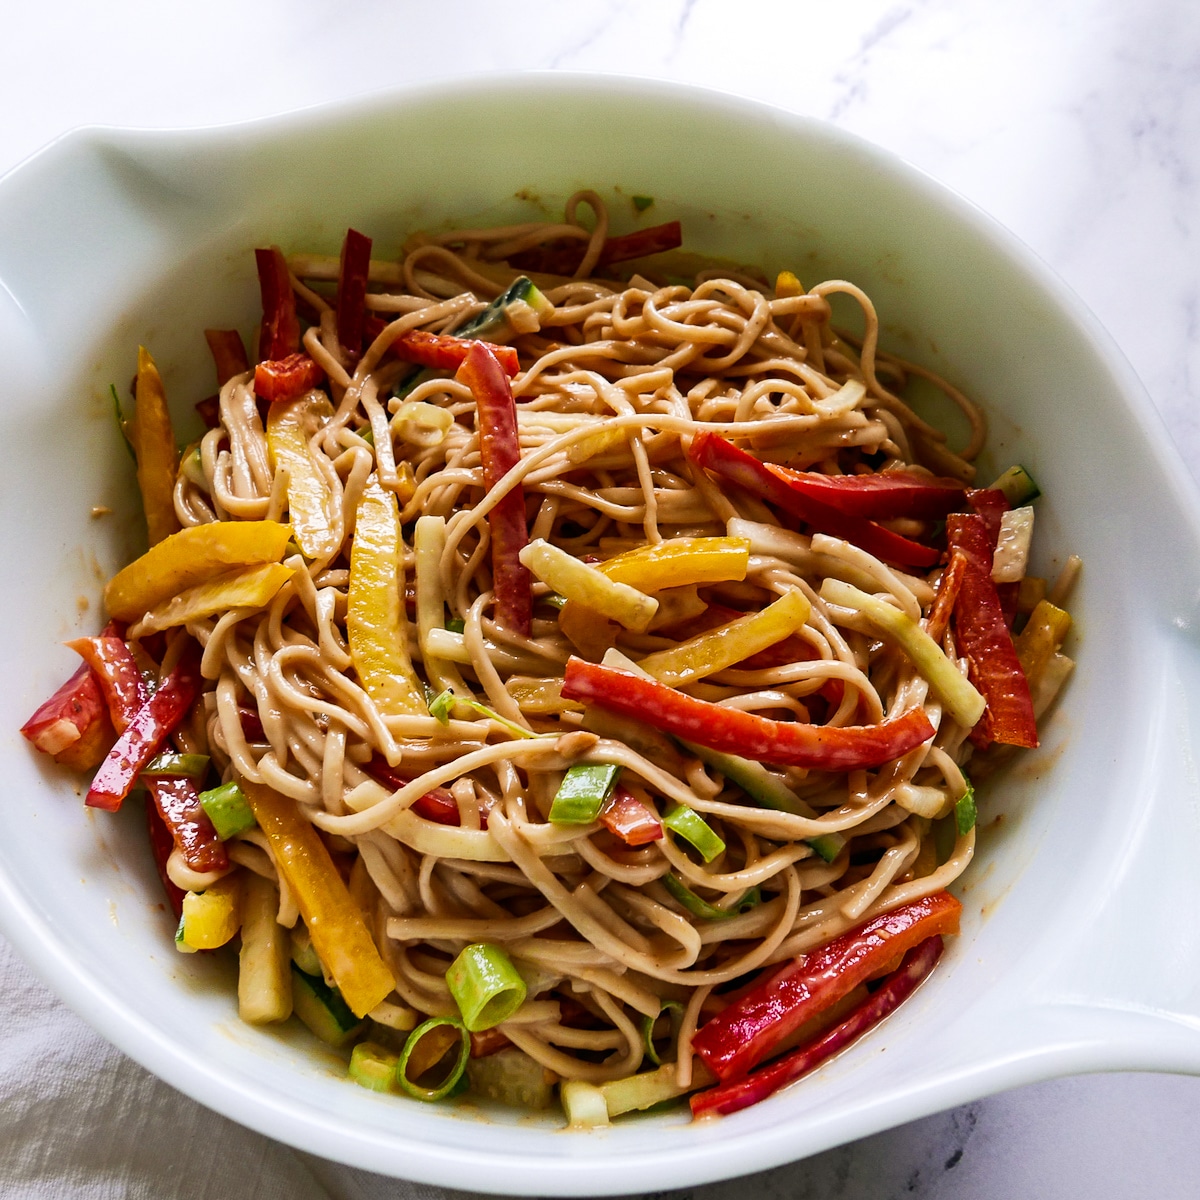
point(1075, 122)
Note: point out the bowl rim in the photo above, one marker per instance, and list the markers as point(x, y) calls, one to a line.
point(277, 1116)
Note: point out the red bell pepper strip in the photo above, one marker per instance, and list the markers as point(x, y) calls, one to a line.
point(897, 987)
point(287, 378)
point(209, 411)
point(147, 732)
point(352, 292)
point(882, 496)
point(73, 726)
point(991, 504)
point(500, 450)
point(723, 458)
point(488, 1041)
point(252, 726)
point(229, 353)
point(445, 352)
point(178, 801)
point(563, 257)
point(117, 673)
point(161, 845)
point(984, 638)
point(946, 596)
point(281, 327)
point(652, 240)
point(741, 1036)
point(626, 817)
point(438, 805)
point(761, 739)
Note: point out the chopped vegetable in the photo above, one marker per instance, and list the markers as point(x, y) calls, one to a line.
point(442, 705)
point(626, 817)
point(228, 810)
point(699, 907)
point(334, 920)
point(946, 596)
point(229, 353)
point(353, 270)
point(373, 1067)
point(286, 378)
point(147, 732)
point(1044, 633)
point(73, 725)
point(960, 698)
point(161, 846)
point(153, 442)
point(500, 450)
point(429, 1031)
point(965, 812)
point(247, 587)
point(882, 496)
point(678, 562)
point(693, 828)
point(375, 623)
point(641, 203)
point(583, 792)
point(730, 730)
point(323, 1009)
point(190, 557)
point(584, 1105)
point(494, 322)
point(723, 458)
point(280, 334)
point(178, 800)
point(446, 352)
point(264, 967)
point(485, 985)
point(984, 638)
point(210, 918)
point(1018, 486)
point(745, 1033)
point(585, 585)
point(720, 648)
point(291, 424)
point(1012, 545)
point(117, 674)
point(898, 986)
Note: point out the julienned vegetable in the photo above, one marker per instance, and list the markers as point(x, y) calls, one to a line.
point(570, 694)
point(731, 730)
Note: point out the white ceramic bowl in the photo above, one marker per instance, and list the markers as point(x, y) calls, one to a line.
point(1080, 947)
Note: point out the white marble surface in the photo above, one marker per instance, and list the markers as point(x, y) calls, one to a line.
point(1075, 122)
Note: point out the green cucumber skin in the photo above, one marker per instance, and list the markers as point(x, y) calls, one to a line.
point(1018, 486)
point(322, 1009)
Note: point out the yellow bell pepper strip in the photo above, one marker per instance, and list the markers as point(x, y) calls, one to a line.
point(291, 424)
point(145, 735)
point(587, 586)
point(339, 934)
point(961, 699)
point(190, 557)
point(264, 963)
point(1044, 632)
point(789, 743)
point(722, 647)
point(375, 624)
point(500, 451)
point(153, 442)
point(213, 916)
point(429, 540)
point(678, 562)
point(252, 587)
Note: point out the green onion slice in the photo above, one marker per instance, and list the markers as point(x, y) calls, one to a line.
point(485, 986)
point(641, 203)
point(443, 704)
point(675, 1009)
point(692, 827)
point(195, 766)
point(828, 846)
point(582, 793)
point(699, 907)
point(965, 811)
point(228, 810)
point(447, 1086)
point(372, 1066)
point(455, 624)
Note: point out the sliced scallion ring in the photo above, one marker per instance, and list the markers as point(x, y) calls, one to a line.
point(699, 907)
point(485, 986)
point(453, 1076)
point(693, 828)
point(965, 811)
point(676, 1011)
